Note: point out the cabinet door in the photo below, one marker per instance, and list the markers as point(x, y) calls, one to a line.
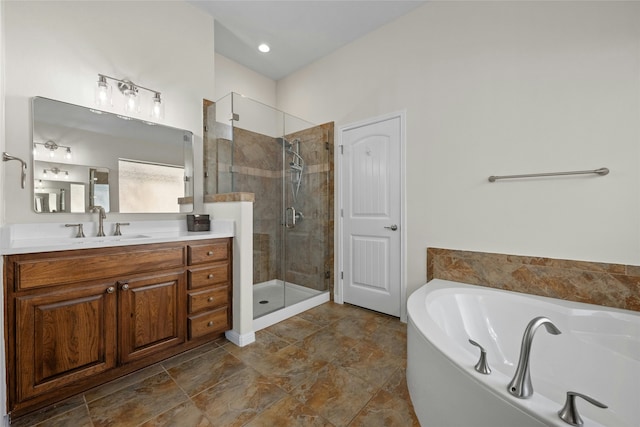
point(64, 336)
point(152, 313)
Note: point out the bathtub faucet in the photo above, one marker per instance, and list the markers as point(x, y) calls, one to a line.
point(520, 386)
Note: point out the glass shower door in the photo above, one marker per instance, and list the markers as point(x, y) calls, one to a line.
point(285, 162)
point(305, 209)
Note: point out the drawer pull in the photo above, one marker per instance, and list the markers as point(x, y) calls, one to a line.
point(111, 290)
point(210, 253)
point(210, 323)
point(125, 287)
point(210, 276)
point(210, 299)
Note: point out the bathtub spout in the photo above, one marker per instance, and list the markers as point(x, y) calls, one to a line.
point(520, 386)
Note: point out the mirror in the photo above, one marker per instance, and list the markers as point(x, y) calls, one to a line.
point(84, 157)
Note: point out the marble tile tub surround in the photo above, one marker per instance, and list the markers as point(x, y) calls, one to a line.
point(40, 237)
point(611, 285)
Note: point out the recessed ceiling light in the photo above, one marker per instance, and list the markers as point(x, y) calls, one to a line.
point(264, 48)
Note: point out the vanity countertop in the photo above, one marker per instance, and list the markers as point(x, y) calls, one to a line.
point(49, 237)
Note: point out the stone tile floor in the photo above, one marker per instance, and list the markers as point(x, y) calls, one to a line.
point(334, 365)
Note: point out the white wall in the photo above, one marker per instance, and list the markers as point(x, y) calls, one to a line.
point(3, 380)
point(261, 116)
point(233, 77)
point(497, 88)
point(56, 49)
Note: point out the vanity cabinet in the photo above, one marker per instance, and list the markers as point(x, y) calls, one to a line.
point(62, 336)
point(76, 319)
point(151, 310)
point(209, 292)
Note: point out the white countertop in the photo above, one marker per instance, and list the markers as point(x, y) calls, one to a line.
point(48, 237)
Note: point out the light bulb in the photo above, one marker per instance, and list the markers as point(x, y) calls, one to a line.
point(51, 153)
point(35, 149)
point(103, 91)
point(157, 107)
point(66, 175)
point(68, 154)
point(44, 173)
point(131, 102)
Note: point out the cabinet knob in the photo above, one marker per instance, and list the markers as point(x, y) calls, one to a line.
point(125, 287)
point(210, 299)
point(210, 276)
point(210, 253)
point(111, 290)
point(210, 323)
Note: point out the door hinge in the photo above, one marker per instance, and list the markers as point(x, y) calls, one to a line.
point(341, 213)
point(326, 145)
point(342, 149)
point(327, 275)
point(206, 128)
point(342, 274)
point(235, 116)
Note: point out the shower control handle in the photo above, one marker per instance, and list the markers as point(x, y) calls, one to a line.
point(293, 217)
point(392, 227)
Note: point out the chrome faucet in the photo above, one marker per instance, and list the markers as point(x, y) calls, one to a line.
point(102, 215)
point(520, 386)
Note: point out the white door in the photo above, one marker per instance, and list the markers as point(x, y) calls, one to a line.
point(371, 203)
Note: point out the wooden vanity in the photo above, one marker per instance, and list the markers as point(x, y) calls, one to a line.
point(79, 318)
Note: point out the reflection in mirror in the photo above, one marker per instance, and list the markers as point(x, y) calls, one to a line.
point(82, 157)
point(99, 188)
point(58, 196)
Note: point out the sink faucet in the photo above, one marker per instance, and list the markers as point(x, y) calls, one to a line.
point(520, 386)
point(102, 215)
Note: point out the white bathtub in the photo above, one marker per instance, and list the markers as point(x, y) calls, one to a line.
point(597, 354)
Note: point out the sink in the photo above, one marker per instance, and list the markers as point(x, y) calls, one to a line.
point(122, 238)
point(72, 241)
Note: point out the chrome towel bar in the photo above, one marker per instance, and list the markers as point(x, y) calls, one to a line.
point(601, 171)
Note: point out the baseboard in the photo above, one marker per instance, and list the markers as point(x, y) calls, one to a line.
point(240, 340)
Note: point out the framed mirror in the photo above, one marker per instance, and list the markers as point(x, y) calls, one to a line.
point(84, 157)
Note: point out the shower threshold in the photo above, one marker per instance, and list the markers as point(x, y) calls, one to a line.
point(269, 300)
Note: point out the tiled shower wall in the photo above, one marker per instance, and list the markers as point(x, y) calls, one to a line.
point(257, 169)
point(309, 260)
point(611, 285)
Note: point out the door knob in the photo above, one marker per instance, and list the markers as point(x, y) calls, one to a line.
point(392, 227)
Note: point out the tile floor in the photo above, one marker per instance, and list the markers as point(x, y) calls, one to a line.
point(334, 365)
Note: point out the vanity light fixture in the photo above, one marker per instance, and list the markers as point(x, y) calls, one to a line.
point(131, 93)
point(56, 173)
point(103, 91)
point(52, 147)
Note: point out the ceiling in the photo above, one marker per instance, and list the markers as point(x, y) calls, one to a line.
point(298, 32)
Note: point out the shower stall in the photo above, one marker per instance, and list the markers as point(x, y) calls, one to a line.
point(287, 163)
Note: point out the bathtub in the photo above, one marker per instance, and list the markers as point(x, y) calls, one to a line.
point(597, 354)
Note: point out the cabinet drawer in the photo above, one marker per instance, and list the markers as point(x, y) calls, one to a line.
point(208, 252)
point(208, 299)
point(34, 271)
point(208, 276)
point(208, 322)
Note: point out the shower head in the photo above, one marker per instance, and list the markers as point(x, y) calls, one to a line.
point(286, 144)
